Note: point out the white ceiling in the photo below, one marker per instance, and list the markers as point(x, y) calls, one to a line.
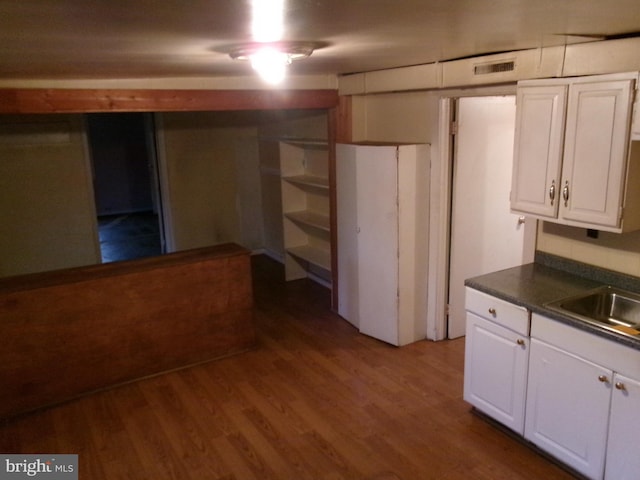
point(171, 38)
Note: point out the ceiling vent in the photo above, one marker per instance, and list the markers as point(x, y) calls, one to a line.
point(494, 68)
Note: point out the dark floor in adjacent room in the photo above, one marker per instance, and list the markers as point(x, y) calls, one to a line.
point(129, 236)
point(315, 400)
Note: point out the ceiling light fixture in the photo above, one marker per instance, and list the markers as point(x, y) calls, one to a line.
point(270, 59)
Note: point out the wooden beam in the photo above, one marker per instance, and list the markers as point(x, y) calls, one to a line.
point(340, 131)
point(19, 101)
point(344, 120)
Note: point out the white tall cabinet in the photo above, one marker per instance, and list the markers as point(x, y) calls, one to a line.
point(382, 218)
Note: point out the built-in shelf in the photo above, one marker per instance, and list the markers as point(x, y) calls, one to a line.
point(305, 207)
point(311, 219)
point(308, 143)
point(312, 181)
point(314, 255)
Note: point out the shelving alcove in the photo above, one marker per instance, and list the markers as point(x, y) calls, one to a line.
point(304, 169)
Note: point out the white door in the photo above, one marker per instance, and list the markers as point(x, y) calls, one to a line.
point(485, 235)
point(377, 226)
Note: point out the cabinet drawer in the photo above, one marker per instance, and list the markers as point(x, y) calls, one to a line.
point(499, 311)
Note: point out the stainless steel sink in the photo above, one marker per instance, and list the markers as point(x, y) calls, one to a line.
point(606, 306)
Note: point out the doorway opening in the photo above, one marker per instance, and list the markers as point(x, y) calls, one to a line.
point(125, 182)
point(484, 236)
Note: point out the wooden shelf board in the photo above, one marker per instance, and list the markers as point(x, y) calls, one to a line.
point(309, 181)
point(317, 256)
point(312, 219)
point(310, 143)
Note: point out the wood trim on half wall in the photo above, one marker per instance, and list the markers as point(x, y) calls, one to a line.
point(23, 101)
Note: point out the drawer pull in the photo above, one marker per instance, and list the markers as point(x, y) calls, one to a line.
point(603, 378)
point(520, 342)
point(492, 310)
point(620, 386)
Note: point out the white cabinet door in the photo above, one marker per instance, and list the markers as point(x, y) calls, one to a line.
point(382, 239)
point(347, 238)
point(495, 372)
point(538, 147)
point(623, 448)
point(568, 407)
point(596, 141)
point(377, 227)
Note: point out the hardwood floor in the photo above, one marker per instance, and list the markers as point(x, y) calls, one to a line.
point(315, 400)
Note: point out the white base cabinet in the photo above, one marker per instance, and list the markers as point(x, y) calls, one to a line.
point(571, 393)
point(583, 400)
point(382, 239)
point(496, 358)
point(568, 407)
point(623, 448)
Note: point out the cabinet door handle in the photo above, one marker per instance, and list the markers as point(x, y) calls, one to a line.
point(552, 191)
point(603, 378)
point(520, 342)
point(565, 193)
point(492, 310)
point(620, 386)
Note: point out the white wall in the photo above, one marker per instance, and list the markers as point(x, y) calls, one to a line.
point(222, 175)
point(47, 214)
point(200, 151)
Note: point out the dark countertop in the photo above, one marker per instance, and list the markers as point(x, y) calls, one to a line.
point(535, 284)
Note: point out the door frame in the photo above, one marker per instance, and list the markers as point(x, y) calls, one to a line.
point(169, 244)
point(440, 215)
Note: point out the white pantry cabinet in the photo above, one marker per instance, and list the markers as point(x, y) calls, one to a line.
point(305, 209)
point(496, 358)
point(573, 158)
point(382, 218)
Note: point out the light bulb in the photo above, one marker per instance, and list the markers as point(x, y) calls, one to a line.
point(270, 64)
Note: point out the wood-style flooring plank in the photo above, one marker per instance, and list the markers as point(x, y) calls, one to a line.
point(314, 400)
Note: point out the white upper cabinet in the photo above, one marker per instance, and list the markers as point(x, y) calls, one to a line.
point(573, 158)
point(538, 145)
point(595, 154)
